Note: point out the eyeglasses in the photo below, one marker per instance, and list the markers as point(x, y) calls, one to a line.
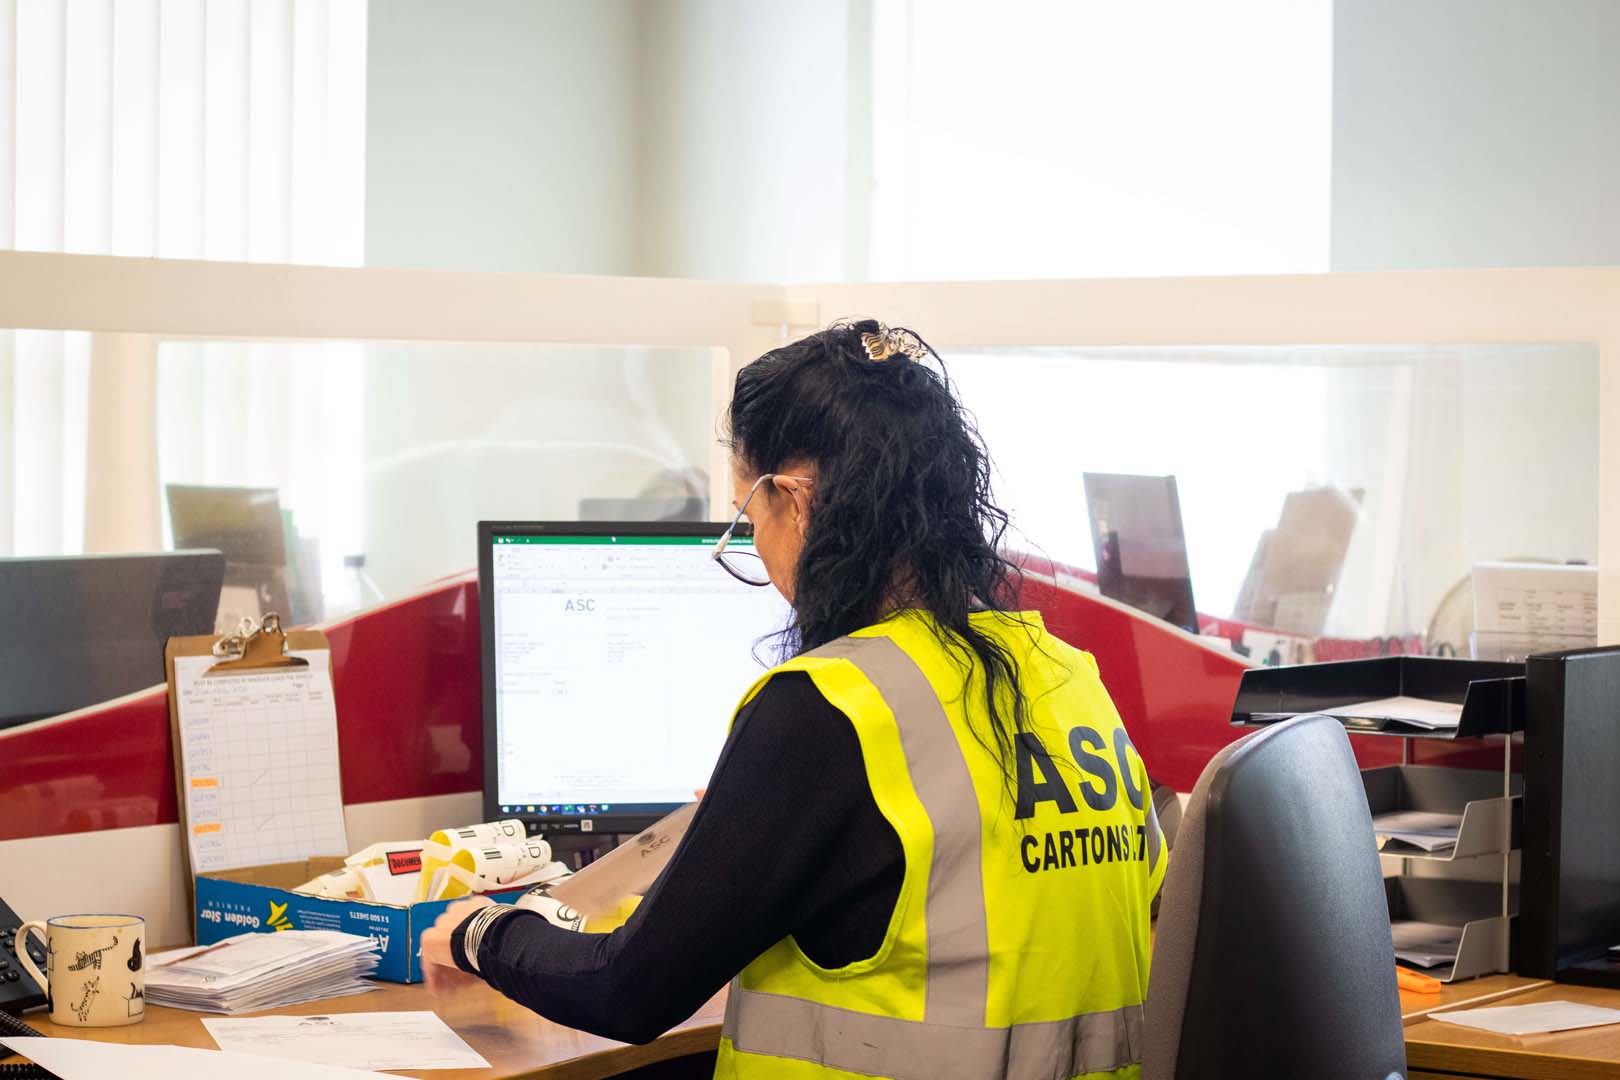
point(746, 566)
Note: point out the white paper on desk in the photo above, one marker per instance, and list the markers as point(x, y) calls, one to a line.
point(81, 1059)
point(1536, 1019)
point(1419, 712)
point(628, 869)
point(379, 1040)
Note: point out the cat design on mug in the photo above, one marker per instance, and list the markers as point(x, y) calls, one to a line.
point(92, 959)
point(136, 1000)
point(135, 956)
point(92, 987)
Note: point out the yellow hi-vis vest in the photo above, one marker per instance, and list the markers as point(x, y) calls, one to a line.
point(1019, 945)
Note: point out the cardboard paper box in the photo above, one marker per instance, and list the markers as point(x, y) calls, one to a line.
point(260, 899)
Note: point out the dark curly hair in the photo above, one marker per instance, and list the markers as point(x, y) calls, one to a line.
point(902, 513)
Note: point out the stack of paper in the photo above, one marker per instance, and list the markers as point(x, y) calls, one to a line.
point(1425, 830)
point(250, 972)
point(1533, 1019)
point(1424, 944)
point(1415, 712)
point(1420, 713)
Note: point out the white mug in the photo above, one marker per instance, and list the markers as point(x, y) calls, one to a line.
point(94, 968)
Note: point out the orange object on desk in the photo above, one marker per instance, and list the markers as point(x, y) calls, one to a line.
point(1407, 979)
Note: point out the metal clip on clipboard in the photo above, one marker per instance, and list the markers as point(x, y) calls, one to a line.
point(254, 647)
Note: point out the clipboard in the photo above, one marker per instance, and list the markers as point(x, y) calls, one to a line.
point(262, 649)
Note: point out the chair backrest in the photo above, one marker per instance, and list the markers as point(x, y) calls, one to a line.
point(1273, 954)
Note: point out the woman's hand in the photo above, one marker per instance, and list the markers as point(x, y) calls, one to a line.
point(438, 964)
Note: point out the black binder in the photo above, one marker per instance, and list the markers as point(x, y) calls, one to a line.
point(1570, 898)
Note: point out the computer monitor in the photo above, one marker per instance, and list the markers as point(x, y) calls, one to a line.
point(1140, 545)
point(614, 656)
point(246, 524)
point(80, 630)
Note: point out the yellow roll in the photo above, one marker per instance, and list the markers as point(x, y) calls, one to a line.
point(485, 868)
point(436, 853)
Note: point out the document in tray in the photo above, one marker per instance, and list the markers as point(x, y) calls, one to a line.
point(379, 1040)
point(1425, 830)
point(1417, 712)
point(1535, 1019)
point(259, 757)
point(1424, 944)
point(81, 1059)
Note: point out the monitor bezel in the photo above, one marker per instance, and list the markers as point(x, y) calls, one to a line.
point(546, 824)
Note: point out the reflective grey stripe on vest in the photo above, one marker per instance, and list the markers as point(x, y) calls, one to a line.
point(958, 931)
point(858, 1042)
point(1155, 838)
point(951, 1041)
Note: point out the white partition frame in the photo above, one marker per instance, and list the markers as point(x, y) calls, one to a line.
point(132, 303)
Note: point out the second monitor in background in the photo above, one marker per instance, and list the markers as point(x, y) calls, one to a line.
point(77, 630)
point(614, 655)
point(1140, 545)
point(268, 566)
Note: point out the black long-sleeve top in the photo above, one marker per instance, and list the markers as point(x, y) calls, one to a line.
point(787, 841)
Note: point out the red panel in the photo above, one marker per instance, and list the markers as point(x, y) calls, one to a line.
point(407, 682)
point(107, 768)
point(1174, 694)
point(406, 679)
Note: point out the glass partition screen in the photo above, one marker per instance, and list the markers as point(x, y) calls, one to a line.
point(1344, 491)
point(336, 475)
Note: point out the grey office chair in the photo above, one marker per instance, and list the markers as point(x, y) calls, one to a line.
point(1273, 955)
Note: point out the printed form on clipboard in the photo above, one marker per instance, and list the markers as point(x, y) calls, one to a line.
point(256, 747)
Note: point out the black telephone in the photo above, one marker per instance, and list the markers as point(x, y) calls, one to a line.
point(18, 991)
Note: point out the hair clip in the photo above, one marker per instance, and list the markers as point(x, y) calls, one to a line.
point(879, 346)
point(888, 343)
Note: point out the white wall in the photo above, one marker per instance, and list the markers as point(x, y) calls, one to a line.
point(1027, 139)
point(502, 135)
point(753, 139)
point(688, 138)
point(1471, 133)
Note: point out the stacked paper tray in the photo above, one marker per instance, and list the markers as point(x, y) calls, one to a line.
point(1412, 696)
point(1472, 910)
point(1418, 796)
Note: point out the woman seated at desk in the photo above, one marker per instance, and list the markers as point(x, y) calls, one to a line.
point(928, 847)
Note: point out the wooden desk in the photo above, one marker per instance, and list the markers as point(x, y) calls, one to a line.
point(520, 1045)
point(1469, 994)
point(1436, 1049)
point(517, 1043)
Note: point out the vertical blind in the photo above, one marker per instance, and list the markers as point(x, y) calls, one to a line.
point(186, 129)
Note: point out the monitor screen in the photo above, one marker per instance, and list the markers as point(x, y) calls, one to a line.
point(1140, 545)
point(83, 629)
point(614, 656)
